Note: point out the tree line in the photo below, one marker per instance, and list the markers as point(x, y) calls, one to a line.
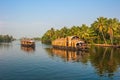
point(6, 38)
point(102, 31)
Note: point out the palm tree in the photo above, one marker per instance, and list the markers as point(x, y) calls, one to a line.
point(85, 31)
point(48, 36)
point(112, 25)
point(100, 25)
point(74, 30)
point(64, 32)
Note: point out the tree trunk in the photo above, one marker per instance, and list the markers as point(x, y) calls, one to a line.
point(111, 38)
point(104, 38)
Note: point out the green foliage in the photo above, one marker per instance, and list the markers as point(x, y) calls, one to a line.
point(37, 38)
point(6, 38)
point(107, 29)
point(103, 30)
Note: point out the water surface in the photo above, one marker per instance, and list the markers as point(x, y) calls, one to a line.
point(45, 63)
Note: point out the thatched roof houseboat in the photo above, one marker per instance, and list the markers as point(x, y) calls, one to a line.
point(70, 42)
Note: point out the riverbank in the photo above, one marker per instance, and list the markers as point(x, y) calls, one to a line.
point(106, 45)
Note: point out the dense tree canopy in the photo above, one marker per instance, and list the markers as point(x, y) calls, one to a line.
point(103, 30)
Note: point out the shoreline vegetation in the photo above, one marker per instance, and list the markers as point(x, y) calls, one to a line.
point(6, 38)
point(102, 32)
point(105, 45)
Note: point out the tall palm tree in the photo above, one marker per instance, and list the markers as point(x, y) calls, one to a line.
point(112, 25)
point(100, 25)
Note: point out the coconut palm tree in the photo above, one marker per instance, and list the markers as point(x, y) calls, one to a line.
point(100, 26)
point(85, 31)
point(112, 26)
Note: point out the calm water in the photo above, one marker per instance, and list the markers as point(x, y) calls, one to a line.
point(46, 63)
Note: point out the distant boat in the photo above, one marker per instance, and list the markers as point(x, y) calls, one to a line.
point(27, 42)
point(70, 43)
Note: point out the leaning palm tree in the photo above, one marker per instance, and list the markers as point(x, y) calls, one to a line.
point(100, 26)
point(112, 25)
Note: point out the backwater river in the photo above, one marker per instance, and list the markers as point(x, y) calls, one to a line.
point(46, 63)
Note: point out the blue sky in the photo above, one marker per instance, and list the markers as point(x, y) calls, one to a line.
point(32, 18)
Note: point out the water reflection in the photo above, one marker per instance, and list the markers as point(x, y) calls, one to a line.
point(5, 45)
point(74, 56)
point(106, 61)
point(28, 49)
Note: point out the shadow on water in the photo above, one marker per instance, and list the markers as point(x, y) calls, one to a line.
point(105, 60)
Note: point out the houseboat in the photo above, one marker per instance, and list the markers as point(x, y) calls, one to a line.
point(26, 42)
point(70, 43)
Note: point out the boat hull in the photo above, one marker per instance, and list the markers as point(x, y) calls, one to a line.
point(71, 48)
point(28, 45)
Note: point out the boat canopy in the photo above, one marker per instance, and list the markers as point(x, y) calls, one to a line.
point(74, 37)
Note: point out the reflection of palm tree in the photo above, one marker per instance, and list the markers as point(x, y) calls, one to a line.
point(101, 62)
point(105, 61)
point(104, 53)
point(111, 57)
point(112, 62)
